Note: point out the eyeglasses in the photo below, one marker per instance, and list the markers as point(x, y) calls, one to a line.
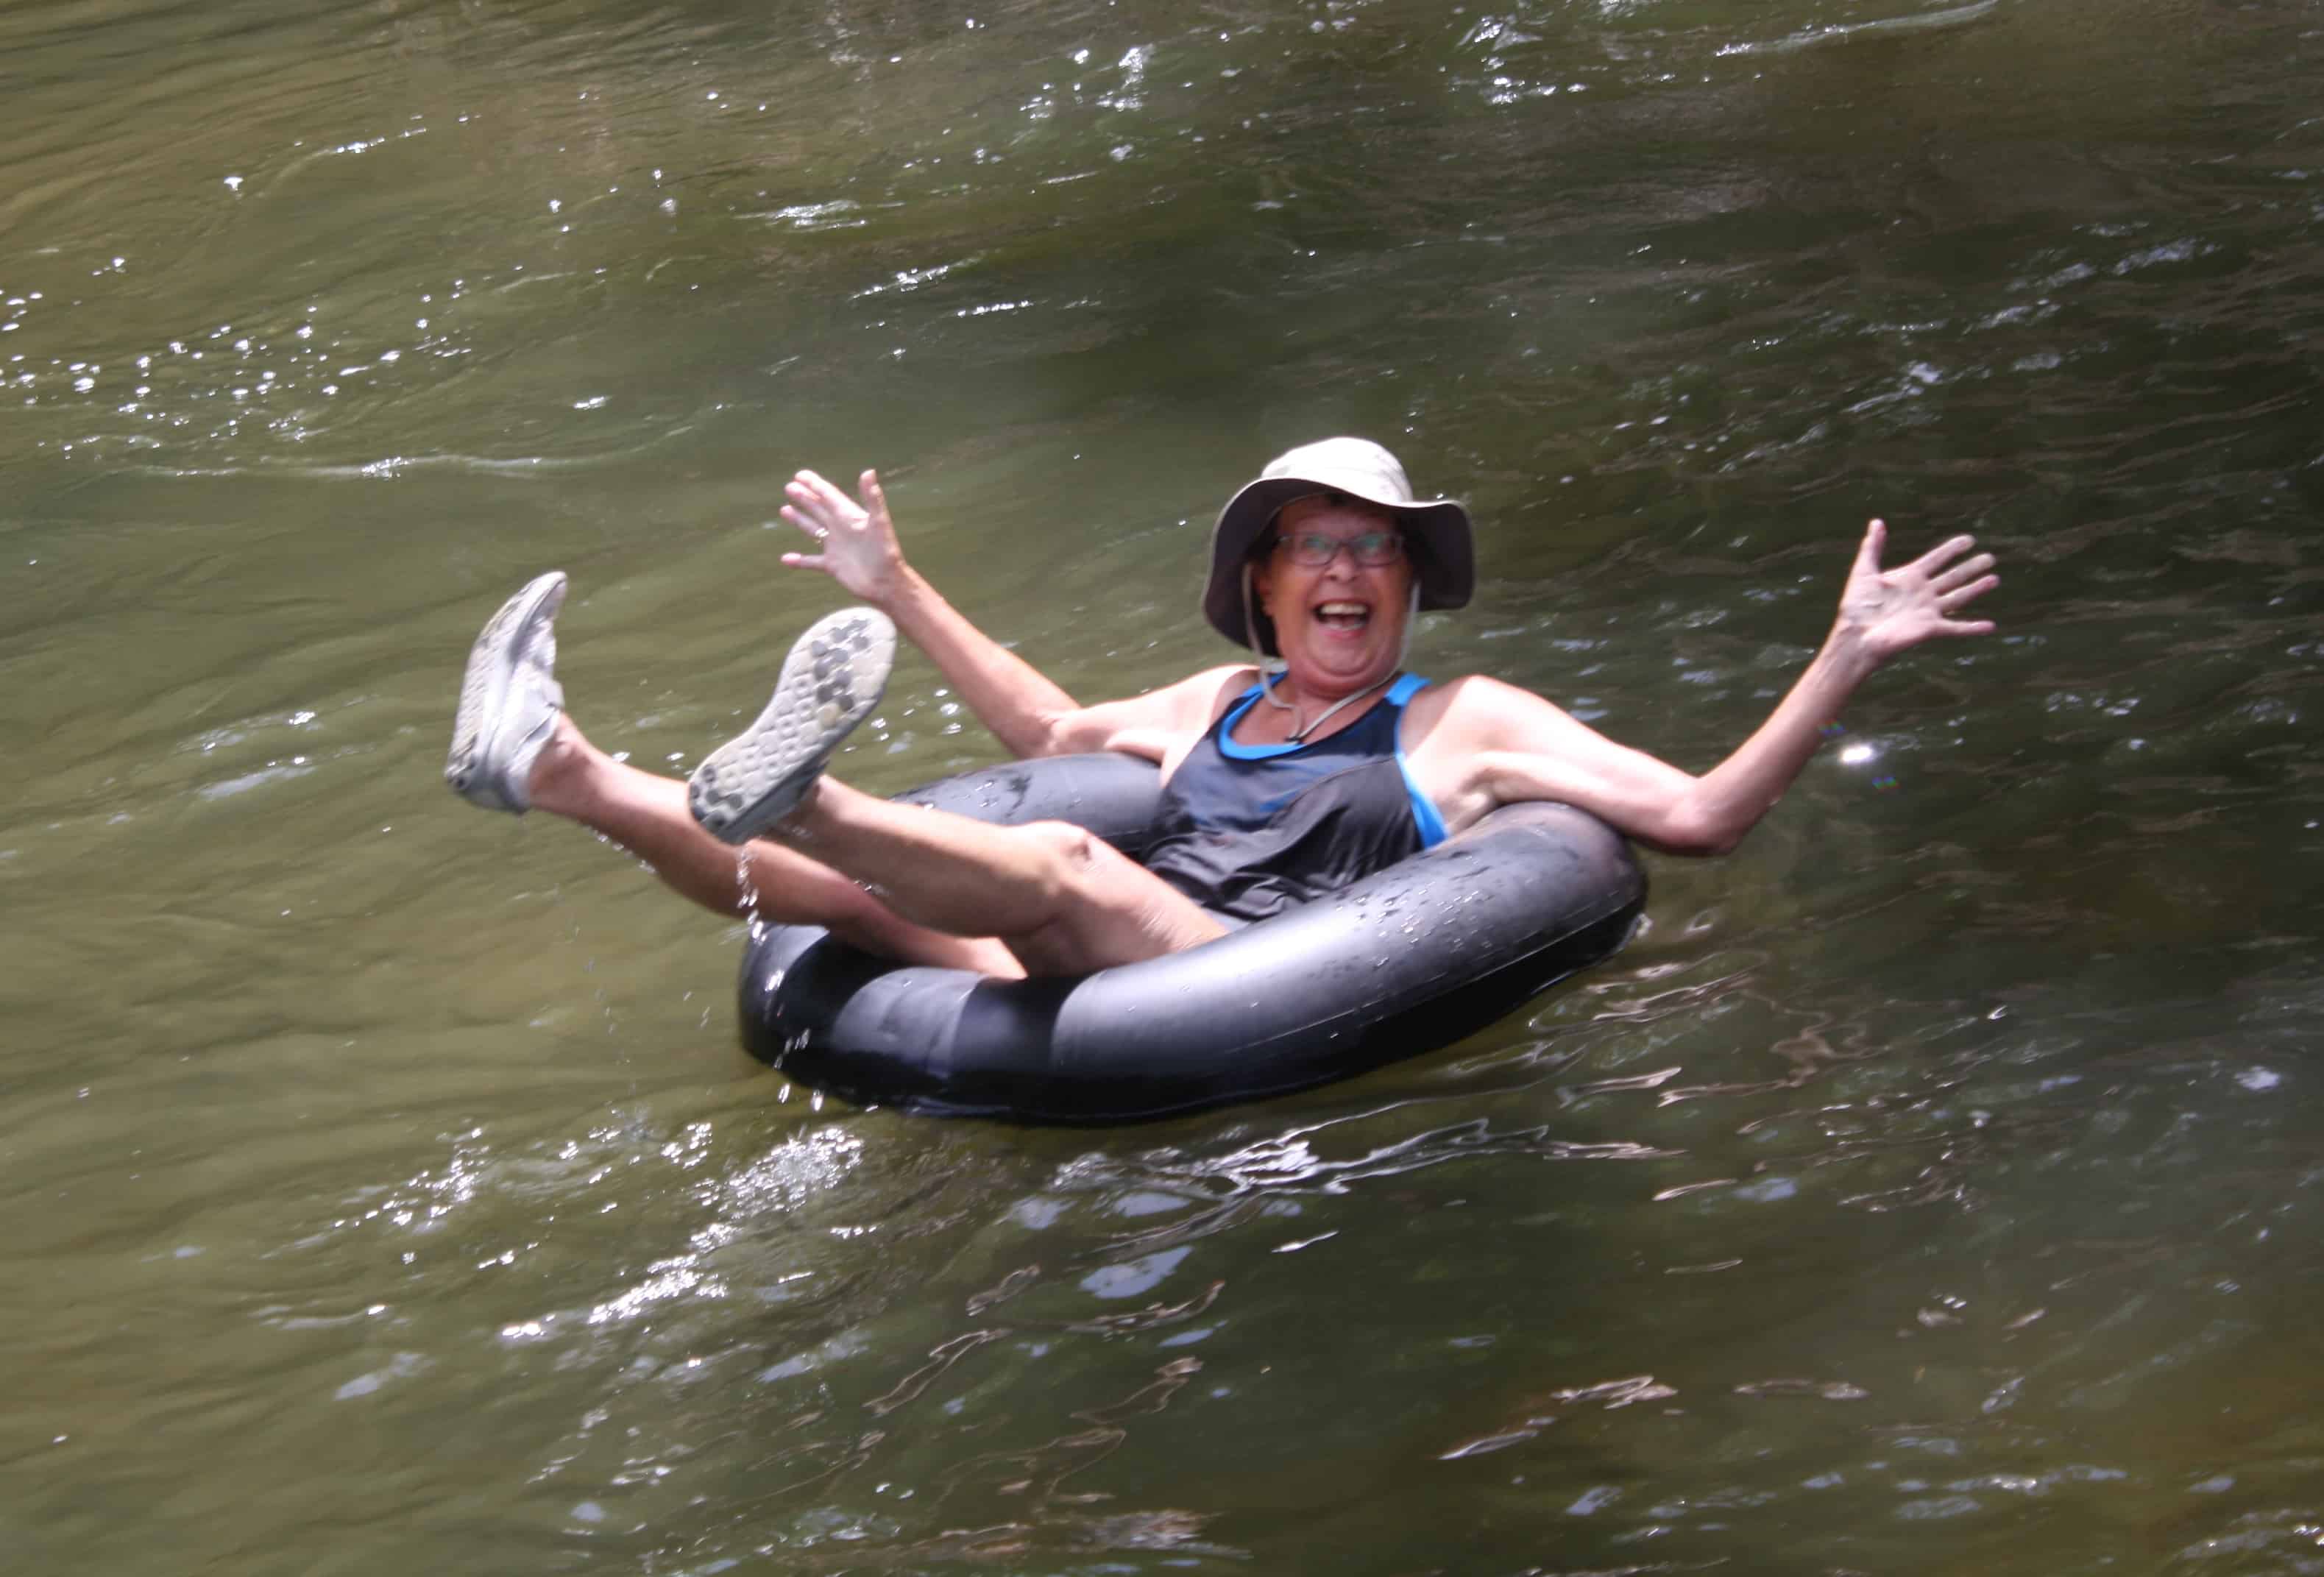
point(1313, 550)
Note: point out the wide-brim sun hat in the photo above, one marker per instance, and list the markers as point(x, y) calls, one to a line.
point(1444, 560)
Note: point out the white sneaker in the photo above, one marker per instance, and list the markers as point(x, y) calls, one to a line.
point(509, 700)
point(834, 675)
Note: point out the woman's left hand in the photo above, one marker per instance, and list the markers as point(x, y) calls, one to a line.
point(1887, 612)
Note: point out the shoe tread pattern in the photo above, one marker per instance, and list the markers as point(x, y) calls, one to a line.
point(834, 677)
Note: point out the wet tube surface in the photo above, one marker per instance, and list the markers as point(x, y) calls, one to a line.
point(1407, 960)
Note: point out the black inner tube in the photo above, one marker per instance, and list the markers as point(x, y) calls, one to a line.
point(1412, 958)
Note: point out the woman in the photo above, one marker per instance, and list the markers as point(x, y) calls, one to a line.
point(1276, 787)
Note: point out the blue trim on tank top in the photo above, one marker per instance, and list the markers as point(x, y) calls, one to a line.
point(1423, 809)
point(1424, 817)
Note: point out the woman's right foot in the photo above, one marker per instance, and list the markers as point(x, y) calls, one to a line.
point(509, 700)
point(834, 675)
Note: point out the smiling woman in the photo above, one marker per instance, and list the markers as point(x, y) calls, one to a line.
point(1262, 809)
point(1297, 820)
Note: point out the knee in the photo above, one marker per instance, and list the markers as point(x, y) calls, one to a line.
point(1073, 852)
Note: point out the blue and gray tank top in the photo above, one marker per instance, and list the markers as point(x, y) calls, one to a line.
point(1248, 830)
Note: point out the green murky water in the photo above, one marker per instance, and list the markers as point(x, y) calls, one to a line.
point(1932, 1188)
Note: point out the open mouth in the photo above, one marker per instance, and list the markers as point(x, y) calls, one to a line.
point(1346, 617)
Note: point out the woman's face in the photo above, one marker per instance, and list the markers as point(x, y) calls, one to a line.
point(1339, 624)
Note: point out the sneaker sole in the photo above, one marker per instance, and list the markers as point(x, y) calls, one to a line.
point(834, 675)
point(492, 669)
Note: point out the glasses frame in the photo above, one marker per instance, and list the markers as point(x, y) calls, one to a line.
point(1293, 541)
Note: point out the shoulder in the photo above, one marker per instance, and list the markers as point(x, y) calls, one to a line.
point(1479, 711)
point(1200, 699)
point(1155, 723)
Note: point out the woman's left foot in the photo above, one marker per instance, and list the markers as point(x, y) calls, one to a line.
point(834, 675)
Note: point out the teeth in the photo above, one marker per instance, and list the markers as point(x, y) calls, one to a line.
point(1357, 608)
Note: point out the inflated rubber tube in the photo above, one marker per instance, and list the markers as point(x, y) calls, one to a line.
point(1409, 959)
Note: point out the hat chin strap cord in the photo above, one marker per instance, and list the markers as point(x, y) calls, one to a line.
point(1266, 675)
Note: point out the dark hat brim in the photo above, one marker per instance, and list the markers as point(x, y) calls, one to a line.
point(1446, 560)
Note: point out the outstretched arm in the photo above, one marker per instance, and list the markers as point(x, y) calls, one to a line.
point(1540, 752)
point(856, 545)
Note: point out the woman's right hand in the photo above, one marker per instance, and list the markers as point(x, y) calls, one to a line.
point(856, 542)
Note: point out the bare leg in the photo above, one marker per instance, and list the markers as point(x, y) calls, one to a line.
point(1063, 900)
point(1060, 899)
point(648, 816)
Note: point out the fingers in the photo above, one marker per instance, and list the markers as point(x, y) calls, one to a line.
point(1961, 596)
point(815, 487)
point(1868, 555)
point(1942, 554)
point(825, 501)
point(804, 561)
point(805, 501)
point(875, 500)
point(1961, 574)
point(817, 507)
point(824, 504)
point(814, 527)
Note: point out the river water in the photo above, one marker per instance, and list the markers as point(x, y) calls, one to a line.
point(1933, 1186)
